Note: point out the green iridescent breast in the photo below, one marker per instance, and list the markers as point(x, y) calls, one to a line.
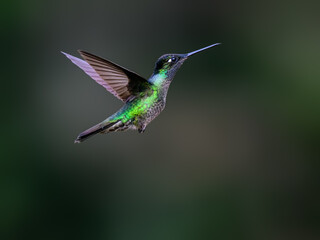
point(139, 106)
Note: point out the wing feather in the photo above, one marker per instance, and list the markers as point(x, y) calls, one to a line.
point(91, 72)
point(119, 81)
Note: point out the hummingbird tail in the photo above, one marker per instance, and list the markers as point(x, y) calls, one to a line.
point(99, 128)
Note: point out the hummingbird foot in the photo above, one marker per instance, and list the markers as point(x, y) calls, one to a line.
point(142, 128)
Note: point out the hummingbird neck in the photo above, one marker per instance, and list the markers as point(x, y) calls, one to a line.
point(160, 78)
point(161, 82)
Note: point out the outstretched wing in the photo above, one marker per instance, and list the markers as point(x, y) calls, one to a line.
point(121, 82)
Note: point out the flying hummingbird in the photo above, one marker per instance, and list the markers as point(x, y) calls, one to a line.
point(144, 99)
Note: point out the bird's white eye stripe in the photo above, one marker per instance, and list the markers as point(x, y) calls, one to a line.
point(170, 60)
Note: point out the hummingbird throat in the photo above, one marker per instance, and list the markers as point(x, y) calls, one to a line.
point(159, 78)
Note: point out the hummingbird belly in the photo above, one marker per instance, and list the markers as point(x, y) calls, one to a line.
point(151, 113)
point(136, 115)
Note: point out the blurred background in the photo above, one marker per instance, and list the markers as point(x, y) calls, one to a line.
point(235, 154)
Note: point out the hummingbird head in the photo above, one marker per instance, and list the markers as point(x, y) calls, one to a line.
point(167, 65)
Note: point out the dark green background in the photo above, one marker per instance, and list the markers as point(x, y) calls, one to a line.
point(235, 154)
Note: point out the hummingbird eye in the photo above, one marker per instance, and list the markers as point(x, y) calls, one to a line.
point(172, 59)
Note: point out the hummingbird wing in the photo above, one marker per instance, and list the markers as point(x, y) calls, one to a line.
point(123, 82)
point(91, 72)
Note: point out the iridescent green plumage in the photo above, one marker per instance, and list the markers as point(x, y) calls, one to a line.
point(144, 99)
point(138, 107)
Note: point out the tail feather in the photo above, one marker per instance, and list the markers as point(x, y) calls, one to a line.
point(93, 130)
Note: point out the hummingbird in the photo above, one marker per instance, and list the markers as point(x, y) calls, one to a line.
point(144, 99)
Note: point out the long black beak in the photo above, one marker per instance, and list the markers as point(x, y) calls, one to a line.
point(202, 49)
